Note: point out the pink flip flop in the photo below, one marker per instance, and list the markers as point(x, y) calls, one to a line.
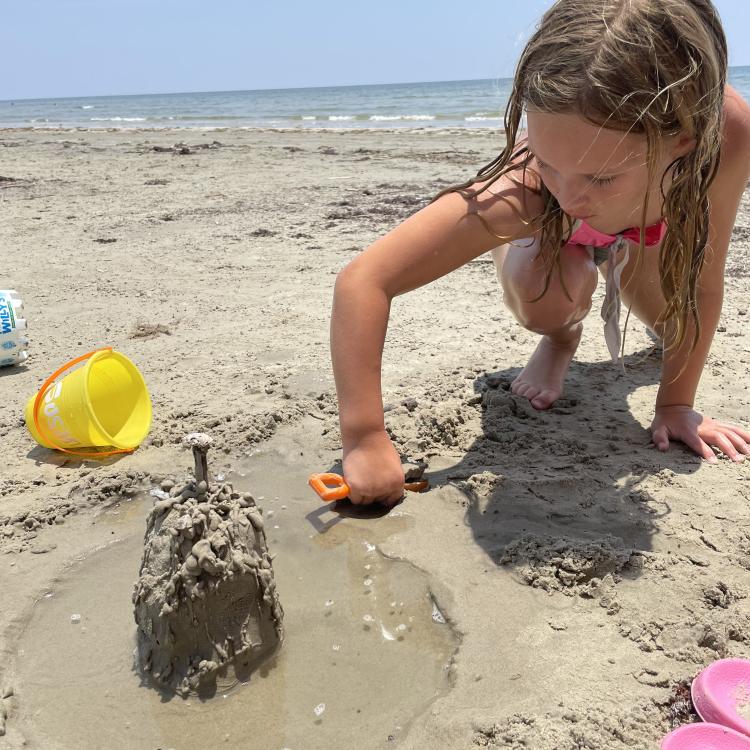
point(705, 737)
point(721, 694)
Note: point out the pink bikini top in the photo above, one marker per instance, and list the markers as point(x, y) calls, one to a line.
point(606, 247)
point(583, 234)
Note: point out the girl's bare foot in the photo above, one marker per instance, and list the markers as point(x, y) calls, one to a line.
point(541, 381)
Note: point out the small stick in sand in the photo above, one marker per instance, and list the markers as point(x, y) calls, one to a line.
point(200, 443)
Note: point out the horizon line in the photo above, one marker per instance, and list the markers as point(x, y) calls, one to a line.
point(273, 88)
point(250, 91)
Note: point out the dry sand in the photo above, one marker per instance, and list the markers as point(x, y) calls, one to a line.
point(587, 575)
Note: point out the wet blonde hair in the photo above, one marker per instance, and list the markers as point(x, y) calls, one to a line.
point(650, 67)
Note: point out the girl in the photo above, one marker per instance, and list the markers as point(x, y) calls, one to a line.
point(635, 160)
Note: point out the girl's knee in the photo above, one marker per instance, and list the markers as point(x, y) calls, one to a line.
point(541, 318)
point(567, 299)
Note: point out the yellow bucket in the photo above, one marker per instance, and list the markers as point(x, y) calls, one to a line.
point(105, 403)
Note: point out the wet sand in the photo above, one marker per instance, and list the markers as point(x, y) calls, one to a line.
point(354, 619)
point(586, 575)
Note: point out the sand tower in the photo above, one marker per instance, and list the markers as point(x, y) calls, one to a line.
point(205, 602)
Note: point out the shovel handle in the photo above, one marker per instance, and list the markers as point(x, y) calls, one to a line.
point(321, 483)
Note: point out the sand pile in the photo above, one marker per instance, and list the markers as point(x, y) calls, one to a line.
point(205, 603)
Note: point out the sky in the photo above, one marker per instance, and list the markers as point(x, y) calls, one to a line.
point(58, 48)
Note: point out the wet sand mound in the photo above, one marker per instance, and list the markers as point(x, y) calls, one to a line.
point(206, 604)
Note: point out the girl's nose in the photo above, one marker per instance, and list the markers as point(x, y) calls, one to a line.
point(576, 211)
point(571, 200)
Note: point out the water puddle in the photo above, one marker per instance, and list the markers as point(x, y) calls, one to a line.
point(366, 647)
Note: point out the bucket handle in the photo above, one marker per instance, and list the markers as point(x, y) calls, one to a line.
point(43, 390)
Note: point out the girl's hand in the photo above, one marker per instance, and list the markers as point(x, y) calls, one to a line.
point(373, 471)
point(699, 433)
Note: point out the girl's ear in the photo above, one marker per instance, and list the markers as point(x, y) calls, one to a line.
point(683, 145)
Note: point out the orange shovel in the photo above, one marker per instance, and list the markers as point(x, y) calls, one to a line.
point(340, 489)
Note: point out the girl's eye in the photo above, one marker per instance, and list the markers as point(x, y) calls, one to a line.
point(600, 181)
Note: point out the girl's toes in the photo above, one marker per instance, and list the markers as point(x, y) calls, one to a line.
point(543, 400)
point(526, 391)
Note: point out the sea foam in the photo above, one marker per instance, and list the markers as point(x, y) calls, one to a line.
point(388, 118)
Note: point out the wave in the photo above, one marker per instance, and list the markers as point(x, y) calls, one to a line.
point(188, 118)
point(118, 119)
point(389, 118)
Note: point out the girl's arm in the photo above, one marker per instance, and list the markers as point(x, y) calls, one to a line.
point(682, 368)
point(436, 240)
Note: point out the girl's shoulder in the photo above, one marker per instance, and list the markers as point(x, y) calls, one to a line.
point(735, 130)
point(520, 186)
point(725, 191)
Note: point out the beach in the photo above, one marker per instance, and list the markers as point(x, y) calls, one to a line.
point(585, 578)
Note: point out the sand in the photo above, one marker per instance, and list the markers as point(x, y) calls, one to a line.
point(588, 575)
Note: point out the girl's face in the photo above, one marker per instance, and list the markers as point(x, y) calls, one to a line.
point(596, 174)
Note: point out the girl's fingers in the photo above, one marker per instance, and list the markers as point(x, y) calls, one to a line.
point(660, 438)
point(743, 433)
point(725, 426)
point(720, 440)
point(386, 498)
point(740, 444)
point(731, 440)
point(394, 499)
point(693, 441)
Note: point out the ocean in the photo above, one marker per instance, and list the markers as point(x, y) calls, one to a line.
point(468, 104)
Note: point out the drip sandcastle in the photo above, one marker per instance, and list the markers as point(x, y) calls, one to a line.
point(206, 605)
